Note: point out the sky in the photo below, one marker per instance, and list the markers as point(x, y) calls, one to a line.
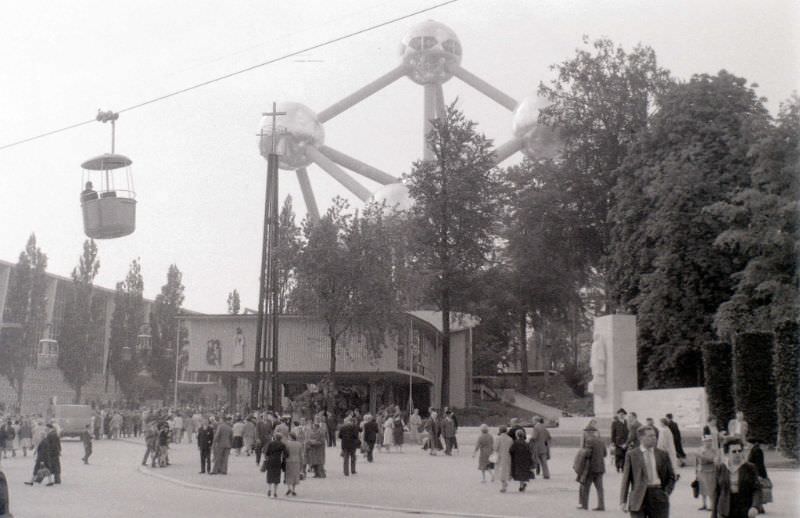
point(199, 177)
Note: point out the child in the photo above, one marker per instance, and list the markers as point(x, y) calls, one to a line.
point(86, 439)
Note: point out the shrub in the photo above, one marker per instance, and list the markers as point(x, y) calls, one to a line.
point(755, 383)
point(787, 378)
point(718, 368)
point(576, 378)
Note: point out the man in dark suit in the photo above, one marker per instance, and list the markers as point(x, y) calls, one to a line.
point(633, 429)
point(54, 452)
point(597, 467)
point(540, 445)
point(348, 435)
point(649, 477)
point(263, 436)
point(619, 438)
point(371, 432)
point(205, 440)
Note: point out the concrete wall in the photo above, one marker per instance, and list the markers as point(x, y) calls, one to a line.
point(687, 405)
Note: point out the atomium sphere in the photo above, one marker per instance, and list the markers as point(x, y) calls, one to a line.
point(395, 196)
point(427, 50)
point(540, 141)
point(296, 130)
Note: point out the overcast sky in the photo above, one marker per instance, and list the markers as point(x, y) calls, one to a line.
point(199, 177)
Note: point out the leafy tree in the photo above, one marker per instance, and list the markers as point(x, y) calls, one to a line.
point(25, 306)
point(234, 304)
point(287, 253)
point(164, 328)
point(760, 222)
point(126, 323)
point(83, 323)
point(454, 215)
point(600, 102)
point(344, 276)
point(664, 265)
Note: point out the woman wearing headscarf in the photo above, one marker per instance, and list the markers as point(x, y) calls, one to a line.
point(274, 459)
point(294, 463)
point(502, 446)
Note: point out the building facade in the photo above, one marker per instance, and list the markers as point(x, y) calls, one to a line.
point(407, 364)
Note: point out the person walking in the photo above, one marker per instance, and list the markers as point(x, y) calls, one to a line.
point(521, 460)
point(86, 439)
point(414, 425)
point(619, 439)
point(248, 436)
point(238, 431)
point(736, 482)
point(205, 441)
point(263, 436)
point(370, 434)
point(53, 452)
point(484, 447)
point(315, 450)
point(41, 466)
point(348, 437)
point(502, 447)
point(398, 430)
point(294, 463)
point(26, 436)
point(330, 420)
point(677, 439)
point(647, 478)
point(449, 433)
point(540, 446)
point(275, 456)
point(756, 457)
point(223, 438)
point(633, 431)
point(388, 433)
point(705, 469)
point(595, 470)
point(666, 443)
point(151, 445)
point(738, 427)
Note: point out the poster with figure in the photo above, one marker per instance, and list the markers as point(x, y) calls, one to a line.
point(214, 352)
point(239, 343)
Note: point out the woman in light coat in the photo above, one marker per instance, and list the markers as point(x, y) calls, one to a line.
point(294, 462)
point(484, 447)
point(706, 460)
point(502, 447)
point(388, 433)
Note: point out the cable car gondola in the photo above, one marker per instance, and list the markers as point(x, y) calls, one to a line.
point(108, 200)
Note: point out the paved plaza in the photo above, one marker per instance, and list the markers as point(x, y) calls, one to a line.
point(114, 485)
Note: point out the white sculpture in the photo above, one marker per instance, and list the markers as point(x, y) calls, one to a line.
point(597, 362)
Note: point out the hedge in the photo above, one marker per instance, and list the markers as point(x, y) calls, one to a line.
point(718, 369)
point(754, 381)
point(787, 378)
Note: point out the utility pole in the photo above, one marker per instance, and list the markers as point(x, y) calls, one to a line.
point(267, 331)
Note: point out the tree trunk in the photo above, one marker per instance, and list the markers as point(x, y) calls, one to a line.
point(523, 352)
point(445, 347)
point(78, 390)
point(332, 390)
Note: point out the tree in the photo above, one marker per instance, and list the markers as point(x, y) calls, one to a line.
point(663, 263)
point(287, 253)
point(83, 323)
point(26, 307)
point(234, 304)
point(344, 276)
point(755, 384)
point(760, 222)
point(787, 381)
point(126, 323)
point(164, 328)
point(454, 215)
point(599, 104)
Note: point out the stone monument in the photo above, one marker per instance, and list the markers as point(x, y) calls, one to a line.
point(613, 362)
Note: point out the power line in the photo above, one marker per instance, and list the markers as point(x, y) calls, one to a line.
point(236, 73)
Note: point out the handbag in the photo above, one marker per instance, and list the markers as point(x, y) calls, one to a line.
point(766, 490)
point(695, 488)
point(493, 457)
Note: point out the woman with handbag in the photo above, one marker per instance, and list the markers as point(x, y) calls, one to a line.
point(756, 457)
point(484, 447)
point(274, 459)
point(705, 462)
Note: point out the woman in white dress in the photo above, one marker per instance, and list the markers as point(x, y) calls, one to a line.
point(388, 431)
point(502, 446)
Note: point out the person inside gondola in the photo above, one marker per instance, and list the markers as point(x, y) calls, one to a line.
point(88, 192)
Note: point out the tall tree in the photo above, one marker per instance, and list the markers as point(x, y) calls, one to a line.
point(760, 221)
point(83, 323)
point(600, 102)
point(345, 278)
point(454, 215)
point(126, 323)
point(166, 350)
point(695, 153)
point(25, 306)
point(287, 252)
point(234, 303)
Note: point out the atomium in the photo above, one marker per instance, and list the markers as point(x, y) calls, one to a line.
point(430, 55)
point(429, 50)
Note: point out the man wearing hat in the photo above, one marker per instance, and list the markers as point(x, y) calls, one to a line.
point(619, 438)
point(595, 459)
